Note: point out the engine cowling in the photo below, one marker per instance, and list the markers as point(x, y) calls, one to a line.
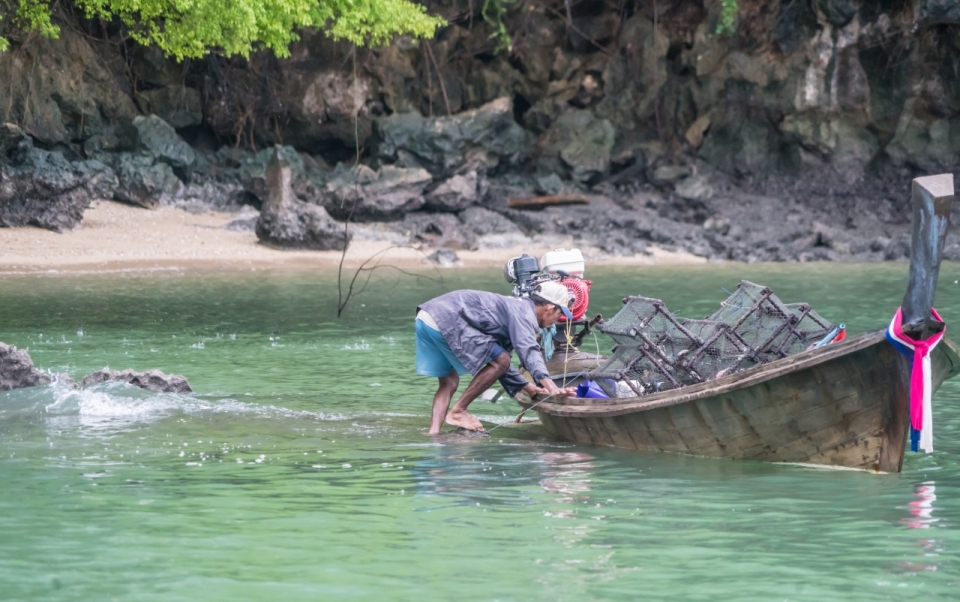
point(580, 291)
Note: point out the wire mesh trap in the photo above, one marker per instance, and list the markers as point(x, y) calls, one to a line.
point(657, 351)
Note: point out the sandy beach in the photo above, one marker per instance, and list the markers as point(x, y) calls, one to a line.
point(115, 236)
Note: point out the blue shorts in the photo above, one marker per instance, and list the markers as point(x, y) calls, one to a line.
point(434, 356)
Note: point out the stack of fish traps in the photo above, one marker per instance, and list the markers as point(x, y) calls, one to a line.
point(656, 351)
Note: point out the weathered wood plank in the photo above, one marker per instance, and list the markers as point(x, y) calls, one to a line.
point(932, 197)
point(539, 202)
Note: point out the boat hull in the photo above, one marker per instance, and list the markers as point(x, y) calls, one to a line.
point(845, 405)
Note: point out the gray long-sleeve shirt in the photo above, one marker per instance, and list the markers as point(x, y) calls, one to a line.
point(472, 321)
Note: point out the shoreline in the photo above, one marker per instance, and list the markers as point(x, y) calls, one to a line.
point(115, 237)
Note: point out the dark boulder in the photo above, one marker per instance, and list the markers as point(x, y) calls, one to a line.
point(156, 137)
point(363, 194)
point(839, 12)
point(17, 371)
point(144, 181)
point(454, 194)
point(151, 380)
point(287, 222)
point(63, 90)
point(933, 12)
point(438, 230)
point(41, 188)
point(177, 105)
point(252, 168)
point(480, 138)
point(579, 144)
point(444, 258)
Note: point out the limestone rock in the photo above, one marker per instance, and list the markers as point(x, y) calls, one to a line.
point(245, 221)
point(363, 194)
point(694, 188)
point(206, 193)
point(483, 222)
point(151, 380)
point(444, 258)
point(252, 168)
point(583, 143)
point(694, 133)
point(177, 105)
point(62, 90)
point(742, 146)
point(924, 139)
point(17, 371)
point(550, 185)
point(326, 105)
point(144, 181)
point(289, 223)
point(493, 230)
point(438, 230)
point(669, 174)
point(453, 194)
point(11, 135)
point(933, 12)
point(839, 12)
point(480, 138)
point(41, 188)
point(159, 139)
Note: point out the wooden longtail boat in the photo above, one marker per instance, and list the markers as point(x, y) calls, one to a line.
point(846, 404)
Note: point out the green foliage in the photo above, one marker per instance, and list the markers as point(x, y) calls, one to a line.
point(191, 28)
point(29, 15)
point(493, 11)
point(728, 17)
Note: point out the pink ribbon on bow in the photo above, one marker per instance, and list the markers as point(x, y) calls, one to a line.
point(921, 388)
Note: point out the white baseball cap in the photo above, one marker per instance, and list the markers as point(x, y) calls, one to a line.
point(557, 294)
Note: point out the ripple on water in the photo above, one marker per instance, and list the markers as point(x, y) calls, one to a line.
point(119, 404)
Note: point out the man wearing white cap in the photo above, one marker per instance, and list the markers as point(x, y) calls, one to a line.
point(474, 331)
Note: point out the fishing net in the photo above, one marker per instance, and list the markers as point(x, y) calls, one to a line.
point(656, 350)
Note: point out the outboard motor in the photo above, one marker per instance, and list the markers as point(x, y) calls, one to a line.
point(521, 272)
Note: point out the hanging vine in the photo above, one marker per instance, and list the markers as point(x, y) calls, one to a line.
point(728, 17)
point(493, 12)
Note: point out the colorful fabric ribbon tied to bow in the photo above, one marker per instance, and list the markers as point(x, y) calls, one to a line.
point(921, 387)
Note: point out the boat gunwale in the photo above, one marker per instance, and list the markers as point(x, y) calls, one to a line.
point(576, 407)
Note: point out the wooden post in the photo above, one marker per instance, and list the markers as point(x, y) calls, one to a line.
point(932, 197)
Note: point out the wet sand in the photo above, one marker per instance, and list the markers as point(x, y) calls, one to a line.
point(114, 237)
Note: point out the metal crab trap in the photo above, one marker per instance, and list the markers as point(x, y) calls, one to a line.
point(657, 351)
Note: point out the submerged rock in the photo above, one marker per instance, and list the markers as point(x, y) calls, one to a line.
point(444, 258)
point(17, 371)
point(42, 188)
point(151, 380)
point(289, 223)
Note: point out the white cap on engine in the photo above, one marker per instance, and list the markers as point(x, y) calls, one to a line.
point(569, 261)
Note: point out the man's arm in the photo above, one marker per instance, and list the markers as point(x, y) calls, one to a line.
point(523, 336)
point(513, 381)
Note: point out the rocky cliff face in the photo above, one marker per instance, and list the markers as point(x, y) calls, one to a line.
point(653, 110)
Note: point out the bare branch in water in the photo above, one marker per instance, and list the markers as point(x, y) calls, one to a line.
point(342, 300)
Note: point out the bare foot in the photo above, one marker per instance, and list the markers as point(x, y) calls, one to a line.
point(464, 421)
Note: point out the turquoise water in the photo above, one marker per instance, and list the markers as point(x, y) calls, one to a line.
point(300, 468)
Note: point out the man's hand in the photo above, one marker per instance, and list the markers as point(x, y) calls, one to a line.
point(549, 388)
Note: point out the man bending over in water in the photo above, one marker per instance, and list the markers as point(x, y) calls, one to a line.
point(474, 331)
